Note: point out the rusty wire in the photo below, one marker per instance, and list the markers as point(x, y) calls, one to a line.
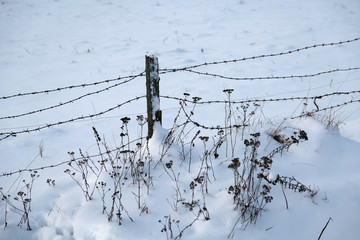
point(310, 113)
point(130, 78)
point(70, 101)
point(273, 77)
point(262, 100)
point(15, 133)
point(165, 70)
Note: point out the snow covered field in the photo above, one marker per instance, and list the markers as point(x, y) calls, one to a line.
point(49, 44)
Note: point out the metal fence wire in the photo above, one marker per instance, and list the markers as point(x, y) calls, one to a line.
point(126, 79)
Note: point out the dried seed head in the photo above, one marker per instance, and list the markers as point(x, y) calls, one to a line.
point(97, 136)
point(204, 138)
point(229, 91)
point(169, 164)
point(141, 120)
point(196, 99)
point(125, 120)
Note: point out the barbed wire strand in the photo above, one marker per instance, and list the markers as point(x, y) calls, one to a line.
point(97, 119)
point(70, 101)
point(331, 84)
point(14, 133)
point(178, 99)
point(86, 120)
point(6, 174)
point(79, 158)
point(131, 77)
point(259, 56)
point(273, 77)
point(326, 108)
point(239, 126)
point(189, 119)
point(262, 100)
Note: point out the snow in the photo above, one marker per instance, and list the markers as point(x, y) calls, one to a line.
point(272, 177)
point(49, 44)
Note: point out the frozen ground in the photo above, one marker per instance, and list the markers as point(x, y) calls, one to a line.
point(49, 44)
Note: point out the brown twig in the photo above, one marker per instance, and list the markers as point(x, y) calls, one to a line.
point(322, 231)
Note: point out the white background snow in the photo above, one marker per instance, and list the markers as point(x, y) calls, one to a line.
point(45, 44)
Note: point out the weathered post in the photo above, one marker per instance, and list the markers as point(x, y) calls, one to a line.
point(152, 93)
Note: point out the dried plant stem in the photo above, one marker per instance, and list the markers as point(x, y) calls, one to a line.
point(178, 237)
point(286, 201)
point(322, 231)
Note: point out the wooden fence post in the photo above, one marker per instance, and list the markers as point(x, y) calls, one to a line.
point(152, 93)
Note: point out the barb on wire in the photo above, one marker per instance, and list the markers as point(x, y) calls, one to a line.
point(273, 77)
point(165, 70)
point(264, 100)
point(14, 133)
point(70, 101)
point(130, 78)
point(6, 174)
point(326, 108)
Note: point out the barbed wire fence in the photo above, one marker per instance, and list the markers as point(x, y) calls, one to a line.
point(70, 101)
point(83, 85)
point(258, 56)
point(273, 77)
point(153, 97)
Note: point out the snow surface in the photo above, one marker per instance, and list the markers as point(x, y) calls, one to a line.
point(48, 44)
